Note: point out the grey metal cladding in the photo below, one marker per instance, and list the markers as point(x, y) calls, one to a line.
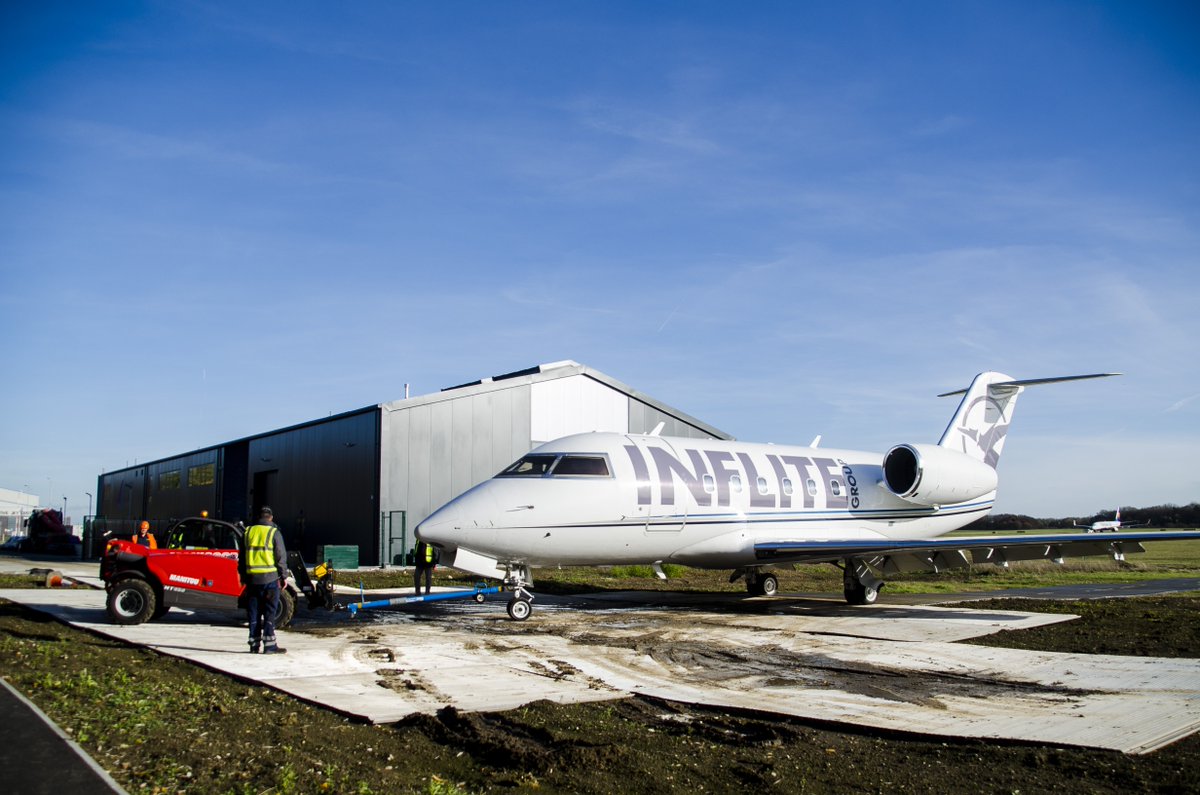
point(419, 498)
point(484, 409)
point(440, 455)
point(522, 428)
point(462, 442)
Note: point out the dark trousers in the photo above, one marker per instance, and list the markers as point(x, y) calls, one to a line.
point(262, 605)
point(428, 570)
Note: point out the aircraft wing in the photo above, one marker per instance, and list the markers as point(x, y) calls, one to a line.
point(939, 554)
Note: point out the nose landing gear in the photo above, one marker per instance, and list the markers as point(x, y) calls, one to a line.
point(521, 605)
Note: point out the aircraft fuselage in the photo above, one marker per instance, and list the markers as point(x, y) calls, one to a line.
point(608, 498)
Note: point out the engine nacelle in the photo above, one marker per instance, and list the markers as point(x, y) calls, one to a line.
point(930, 475)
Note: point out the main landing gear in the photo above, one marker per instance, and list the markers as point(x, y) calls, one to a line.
point(859, 583)
point(758, 581)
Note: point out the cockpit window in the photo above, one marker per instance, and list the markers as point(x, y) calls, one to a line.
point(589, 465)
point(539, 465)
point(531, 466)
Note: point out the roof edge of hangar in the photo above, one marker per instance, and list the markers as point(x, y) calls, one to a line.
point(548, 372)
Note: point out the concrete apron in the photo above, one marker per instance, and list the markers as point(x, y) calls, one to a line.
point(883, 667)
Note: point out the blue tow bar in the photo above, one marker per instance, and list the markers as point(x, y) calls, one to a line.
point(477, 593)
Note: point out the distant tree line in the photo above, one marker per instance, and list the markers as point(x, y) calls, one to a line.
point(1155, 516)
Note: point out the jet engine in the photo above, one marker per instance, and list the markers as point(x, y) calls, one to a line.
point(927, 474)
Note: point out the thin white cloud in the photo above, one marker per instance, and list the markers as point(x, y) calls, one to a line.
point(643, 126)
point(1179, 404)
point(133, 144)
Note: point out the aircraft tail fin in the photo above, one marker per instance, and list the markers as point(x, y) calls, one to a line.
point(980, 424)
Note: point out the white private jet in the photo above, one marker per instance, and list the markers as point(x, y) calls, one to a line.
point(1104, 527)
point(613, 498)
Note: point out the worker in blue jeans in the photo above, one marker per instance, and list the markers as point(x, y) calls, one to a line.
point(263, 569)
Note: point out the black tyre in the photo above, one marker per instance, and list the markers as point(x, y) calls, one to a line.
point(519, 609)
point(768, 585)
point(131, 601)
point(479, 598)
point(859, 594)
point(287, 609)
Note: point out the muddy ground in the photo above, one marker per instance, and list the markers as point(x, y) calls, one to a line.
point(159, 724)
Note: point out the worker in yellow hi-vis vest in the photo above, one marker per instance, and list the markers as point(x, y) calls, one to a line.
point(262, 565)
point(426, 558)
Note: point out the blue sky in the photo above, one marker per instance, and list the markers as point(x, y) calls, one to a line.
point(783, 218)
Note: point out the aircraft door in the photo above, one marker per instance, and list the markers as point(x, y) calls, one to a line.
point(652, 457)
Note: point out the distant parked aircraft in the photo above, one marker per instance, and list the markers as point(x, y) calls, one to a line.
point(1101, 527)
point(613, 498)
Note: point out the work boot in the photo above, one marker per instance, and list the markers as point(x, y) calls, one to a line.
point(274, 650)
point(255, 648)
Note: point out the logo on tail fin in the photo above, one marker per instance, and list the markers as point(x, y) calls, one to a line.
point(988, 439)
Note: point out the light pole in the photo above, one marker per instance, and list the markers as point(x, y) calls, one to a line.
point(64, 516)
point(89, 496)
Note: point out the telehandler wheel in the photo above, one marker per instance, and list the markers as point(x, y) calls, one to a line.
point(131, 601)
point(287, 609)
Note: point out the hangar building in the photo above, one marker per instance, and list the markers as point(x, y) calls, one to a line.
point(366, 477)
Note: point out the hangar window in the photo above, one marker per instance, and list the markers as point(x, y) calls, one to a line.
point(169, 480)
point(586, 465)
point(787, 486)
point(762, 486)
point(812, 487)
point(531, 466)
point(203, 475)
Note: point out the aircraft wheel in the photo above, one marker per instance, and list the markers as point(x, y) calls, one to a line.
point(519, 609)
point(768, 585)
point(859, 594)
point(131, 601)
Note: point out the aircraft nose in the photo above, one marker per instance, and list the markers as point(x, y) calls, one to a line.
point(440, 526)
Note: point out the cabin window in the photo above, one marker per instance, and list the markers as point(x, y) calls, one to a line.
point(531, 466)
point(735, 483)
point(583, 465)
point(710, 485)
point(812, 487)
point(787, 486)
point(836, 488)
point(762, 486)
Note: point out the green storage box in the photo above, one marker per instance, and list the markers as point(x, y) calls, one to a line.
point(342, 556)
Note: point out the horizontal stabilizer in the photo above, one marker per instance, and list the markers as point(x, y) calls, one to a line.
point(1032, 382)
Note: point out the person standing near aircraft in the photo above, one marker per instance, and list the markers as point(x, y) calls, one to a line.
point(426, 559)
point(263, 569)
